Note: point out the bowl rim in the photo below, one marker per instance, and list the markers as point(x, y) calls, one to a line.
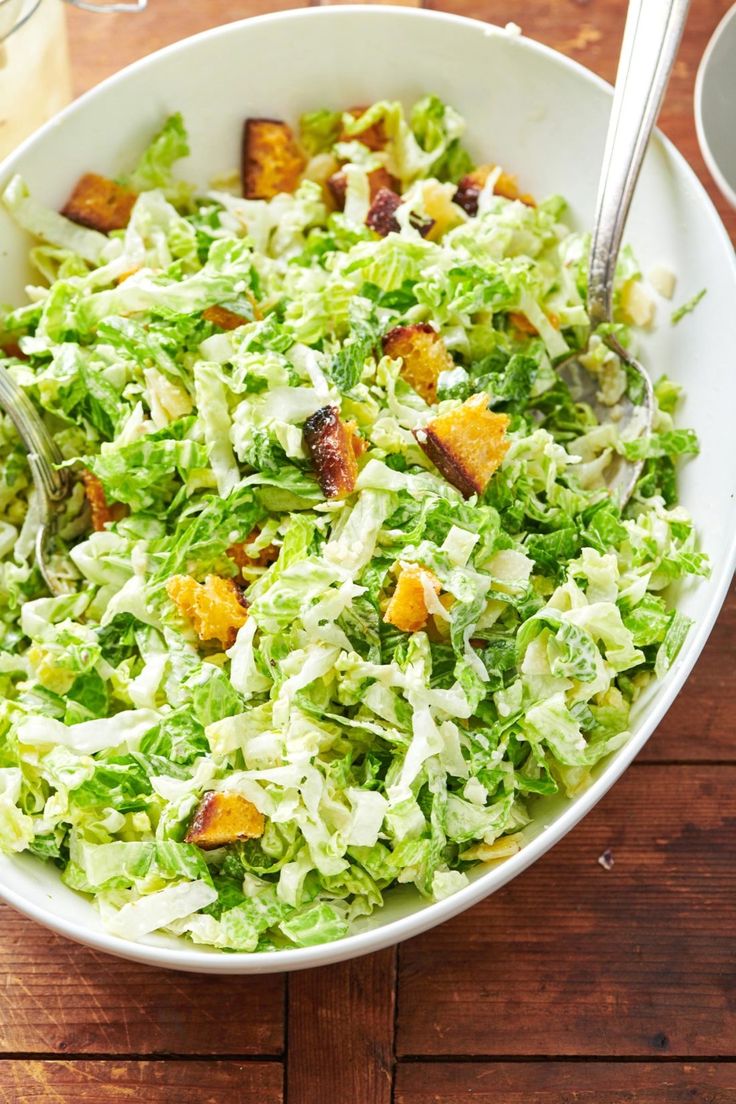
point(727, 189)
point(394, 931)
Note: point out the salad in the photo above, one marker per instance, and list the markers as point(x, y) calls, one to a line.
point(346, 591)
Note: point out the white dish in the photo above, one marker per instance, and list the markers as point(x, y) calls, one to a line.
point(715, 105)
point(534, 112)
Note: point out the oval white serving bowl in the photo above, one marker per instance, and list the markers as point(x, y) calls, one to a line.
point(540, 116)
point(715, 105)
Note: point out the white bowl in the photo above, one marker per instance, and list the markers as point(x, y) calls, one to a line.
point(715, 105)
point(539, 115)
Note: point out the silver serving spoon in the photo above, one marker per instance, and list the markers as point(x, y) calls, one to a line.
point(51, 482)
point(651, 39)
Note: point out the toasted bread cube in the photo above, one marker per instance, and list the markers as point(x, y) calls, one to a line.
point(331, 446)
point(214, 608)
point(377, 179)
point(101, 511)
point(271, 160)
point(424, 354)
point(471, 185)
point(521, 322)
point(374, 137)
point(523, 325)
point(239, 555)
point(99, 203)
point(223, 318)
point(12, 349)
point(382, 215)
point(222, 818)
point(407, 609)
point(467, 445)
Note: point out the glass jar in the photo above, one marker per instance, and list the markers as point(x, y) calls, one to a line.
point(35, 80)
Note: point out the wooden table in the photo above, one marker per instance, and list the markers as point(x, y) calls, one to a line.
point(572, 984)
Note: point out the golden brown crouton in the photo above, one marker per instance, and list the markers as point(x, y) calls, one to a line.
point(374, 137)
point(101, 511)
point(467, 445)
point(99, 203)
point(223, 318)
point(12, 349)
point(377, 179)
point(214, 608)
point(222, 818)
point(238, 554)
point(407, 609)
point(331, 446)
point(522, 323)
point(359, 443)
point(471, 185)
point(271, 160)
point(424, 354)
point(382, 215)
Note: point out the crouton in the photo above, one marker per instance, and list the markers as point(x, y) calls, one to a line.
point(12, 349)
point(99, 203)
point(374, 137)
point(222, 818)
point(382, 215)
point(359, 443)
point(471, 185)
point(467, 445)
point(239, 555)
point(522, 323)
point(331, 446)
point(424, 354)
point(223, 318)
point(271, 160)
point(407, 609)
point(377, 179)
point(214, 608)
point(101, 511)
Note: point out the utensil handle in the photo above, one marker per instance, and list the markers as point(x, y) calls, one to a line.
point(651, 38)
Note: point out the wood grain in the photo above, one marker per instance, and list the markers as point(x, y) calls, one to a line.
point(102, 44)
point(341, 1029)
point(565, 1083)
point(700, 724)
point(59, 998)
point(149, 1082)
point(571, 959)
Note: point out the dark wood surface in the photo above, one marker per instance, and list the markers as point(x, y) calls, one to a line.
point(572, 984)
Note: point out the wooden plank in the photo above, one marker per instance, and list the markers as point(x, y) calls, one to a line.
point(153, 1082)
point(58, 997)
point(565, 1082)
point(340, 1031)
point(393, 3)
point(102, 44)
point(571, 959)
point(591, 34)
point(700, 723)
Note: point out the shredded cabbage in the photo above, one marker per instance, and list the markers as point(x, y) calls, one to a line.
point(376, 756)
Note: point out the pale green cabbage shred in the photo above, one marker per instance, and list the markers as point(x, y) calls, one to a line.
point(376, 756)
